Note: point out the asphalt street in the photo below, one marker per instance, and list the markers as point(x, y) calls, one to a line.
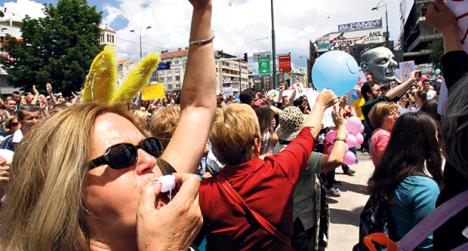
point(345, 210)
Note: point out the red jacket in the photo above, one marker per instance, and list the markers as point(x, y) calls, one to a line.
point(267, 186)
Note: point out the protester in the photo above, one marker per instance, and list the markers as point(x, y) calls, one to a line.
point(117, 205)
point(454, 129)
point(309, 232)
point(382, 117)
point(269, 136)
point(409, 175)
point(372, 93)
point(265, 186)
point(28, 116)
point(4, 178)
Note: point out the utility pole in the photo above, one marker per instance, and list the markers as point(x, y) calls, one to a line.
point(273, 45)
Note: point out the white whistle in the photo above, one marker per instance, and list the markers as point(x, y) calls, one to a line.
point(167, 183)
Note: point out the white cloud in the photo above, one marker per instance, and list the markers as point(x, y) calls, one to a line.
point(243, 25)
point(21, 8)
point(240, 25)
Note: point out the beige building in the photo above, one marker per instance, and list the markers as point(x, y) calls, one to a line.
point(173, 77)
point(230, 71)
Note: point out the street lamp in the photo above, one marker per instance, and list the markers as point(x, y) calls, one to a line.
point(387, 35)
point(275, 81)
point(139, 30)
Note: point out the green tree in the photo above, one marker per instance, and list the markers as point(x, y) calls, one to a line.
point(57, 48)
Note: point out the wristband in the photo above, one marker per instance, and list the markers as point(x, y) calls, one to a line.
point(339, 139)
point(203, 41)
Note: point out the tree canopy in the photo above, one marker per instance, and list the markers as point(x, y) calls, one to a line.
point(57, 48)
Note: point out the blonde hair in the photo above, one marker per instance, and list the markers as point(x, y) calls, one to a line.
point(43, 207)
point(379, 111)
point(233, 133)
point(164, 122)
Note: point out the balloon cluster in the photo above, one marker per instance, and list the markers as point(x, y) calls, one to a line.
point(355, 138)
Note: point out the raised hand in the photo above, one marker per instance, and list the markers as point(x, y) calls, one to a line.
point(327, 98)
point(201, 4)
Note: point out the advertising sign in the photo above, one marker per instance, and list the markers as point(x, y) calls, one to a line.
point(285, 63)
point(264, 64)
point(365, 25)
point(164, 66)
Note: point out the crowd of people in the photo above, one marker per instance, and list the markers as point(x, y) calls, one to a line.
point(252, 172)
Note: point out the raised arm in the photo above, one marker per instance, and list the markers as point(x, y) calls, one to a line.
point(443, 19)
point(325, 99)
point(51, 93)
point(198, 97)
point(403, 87)
point(36, 95)
point(335, 158)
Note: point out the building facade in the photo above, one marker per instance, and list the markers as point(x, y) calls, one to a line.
point(12, 27)
point(418, 39)
point(106, 36)
point(232, 74)
point(172, 78)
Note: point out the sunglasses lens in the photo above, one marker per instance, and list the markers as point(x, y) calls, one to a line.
point(122, 156)
point(152, 146)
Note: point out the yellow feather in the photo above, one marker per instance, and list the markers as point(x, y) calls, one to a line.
point(136, 79)
point(102, 77)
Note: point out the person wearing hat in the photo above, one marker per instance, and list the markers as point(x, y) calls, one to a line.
point(249, 185)
point(306, 215)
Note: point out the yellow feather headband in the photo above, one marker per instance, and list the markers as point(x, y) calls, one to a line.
point(101, 81)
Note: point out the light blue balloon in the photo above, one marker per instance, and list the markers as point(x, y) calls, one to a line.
point(437, 71)
point(355, 96)
point(335, 70)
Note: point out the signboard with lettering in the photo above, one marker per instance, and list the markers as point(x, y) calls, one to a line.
point(264, 64)
point(285, 63)
point(370, 37)
point(365, 25)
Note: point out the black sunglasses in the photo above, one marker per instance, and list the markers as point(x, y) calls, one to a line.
point(125, 154)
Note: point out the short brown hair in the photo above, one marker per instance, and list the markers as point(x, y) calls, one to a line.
point(380, 111)
point(164, 123)
point(233, 133)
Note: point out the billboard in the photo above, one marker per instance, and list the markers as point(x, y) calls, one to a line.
point(285, 63)
point(362, 38)
point(364, 25)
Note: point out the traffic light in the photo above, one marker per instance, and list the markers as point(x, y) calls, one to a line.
point(246, 57)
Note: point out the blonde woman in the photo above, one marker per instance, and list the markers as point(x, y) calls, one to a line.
point(87, 179)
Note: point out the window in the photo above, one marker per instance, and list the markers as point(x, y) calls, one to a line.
point(177, 78)
point(169, 79)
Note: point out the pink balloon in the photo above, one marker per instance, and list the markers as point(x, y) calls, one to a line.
point(353, 124)
point(361, 128)
point(351, 141)
point(349, 158)
point(360, 139)
point(330, 137)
